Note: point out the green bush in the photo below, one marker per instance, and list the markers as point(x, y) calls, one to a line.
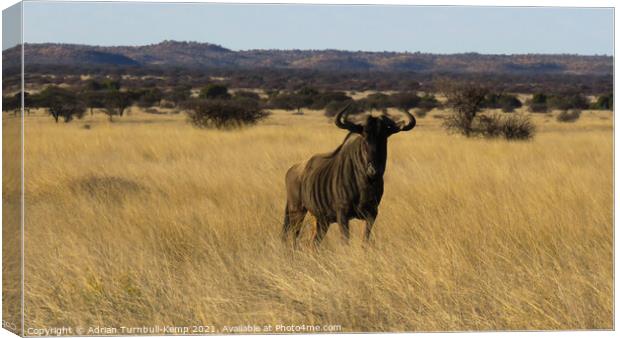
point(568, 101)
point(335, 107)
point(538, 103)
point(246, 94)
point(604, 102)
point(405, 100)
point(428, 102)
point(214, 91)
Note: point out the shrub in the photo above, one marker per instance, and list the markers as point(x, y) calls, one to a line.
point(178, 94)
point(149, 97)
point(567, 101)
point(538, 103)
point(246, 94)
point(377, 101)
point(152, 110)
point(290, 101)
point(604, 102)
point(335, 107)
point(321, 100)
point(506, 102)
point(428, 102)
point(569, 115)
point(518, 127)
point(214, 91)
point(421, 112)
point(12, 103)
point(221, 113)
point(405, 101)
point(490, 126)
point(510, 127)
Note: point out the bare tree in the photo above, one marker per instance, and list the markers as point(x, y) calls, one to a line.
point(465, 100)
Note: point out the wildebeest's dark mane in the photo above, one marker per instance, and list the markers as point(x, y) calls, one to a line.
point(337, 150)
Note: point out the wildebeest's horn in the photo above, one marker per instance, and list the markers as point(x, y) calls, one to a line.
point(343, 123)
point(411, 123)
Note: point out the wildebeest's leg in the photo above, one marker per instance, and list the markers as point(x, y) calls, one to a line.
point(321, 230)
point(343, 221)
point(370, 221)
point(296, 221)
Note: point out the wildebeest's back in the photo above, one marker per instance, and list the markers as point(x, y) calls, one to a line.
point(331, 182)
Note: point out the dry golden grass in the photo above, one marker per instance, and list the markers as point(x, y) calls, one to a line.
point(149, 221)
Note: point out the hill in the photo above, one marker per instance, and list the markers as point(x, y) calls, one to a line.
point(206, 55)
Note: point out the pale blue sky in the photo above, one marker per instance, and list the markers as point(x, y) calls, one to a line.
point(497, 30)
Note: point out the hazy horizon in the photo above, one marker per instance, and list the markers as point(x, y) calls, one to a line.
point(371, 28)
point(301, 49)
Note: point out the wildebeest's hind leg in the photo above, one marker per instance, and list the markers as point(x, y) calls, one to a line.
point(321, 230)
point(293, 219)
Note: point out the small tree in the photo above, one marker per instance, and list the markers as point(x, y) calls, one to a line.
point(508, 103)
point(465, 101)
point(428, 102)
point(604, 102)
point(178, 94)
point(214, 91)
point(12, 103)
point(93, 99)
point(377, 101)
point(405, 101)
point(538, 103)
point(290, 101)
point(336, 106)
point(61, 103)
point(246, 94)
point(116, 102)
point(149, 98)
point(567, 101)
point(321, 100)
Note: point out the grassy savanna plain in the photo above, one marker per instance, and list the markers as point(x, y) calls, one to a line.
point(150, 221)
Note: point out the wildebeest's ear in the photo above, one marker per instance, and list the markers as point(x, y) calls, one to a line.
point(343, 123)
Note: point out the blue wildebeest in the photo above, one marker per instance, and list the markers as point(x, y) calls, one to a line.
point(344, 184)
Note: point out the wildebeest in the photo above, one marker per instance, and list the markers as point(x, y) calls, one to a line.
point(344, 184)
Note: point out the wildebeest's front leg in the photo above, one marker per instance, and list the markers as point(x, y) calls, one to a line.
point(369, 215)
point(321, 229)
point(370, 221)
point(343, 222)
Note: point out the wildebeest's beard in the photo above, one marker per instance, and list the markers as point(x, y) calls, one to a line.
point(374, 146)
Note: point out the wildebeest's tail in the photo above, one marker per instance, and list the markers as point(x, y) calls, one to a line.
point(287, 224)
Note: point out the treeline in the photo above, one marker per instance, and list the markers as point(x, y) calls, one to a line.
point(67, 103)
point(296, 79)
point(216, 106)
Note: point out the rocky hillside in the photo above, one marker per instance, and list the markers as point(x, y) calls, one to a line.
point(205, 55)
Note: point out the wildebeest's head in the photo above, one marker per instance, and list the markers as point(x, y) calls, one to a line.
point(375, 130)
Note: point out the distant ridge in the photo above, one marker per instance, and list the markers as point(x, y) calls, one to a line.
point(206, 55)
